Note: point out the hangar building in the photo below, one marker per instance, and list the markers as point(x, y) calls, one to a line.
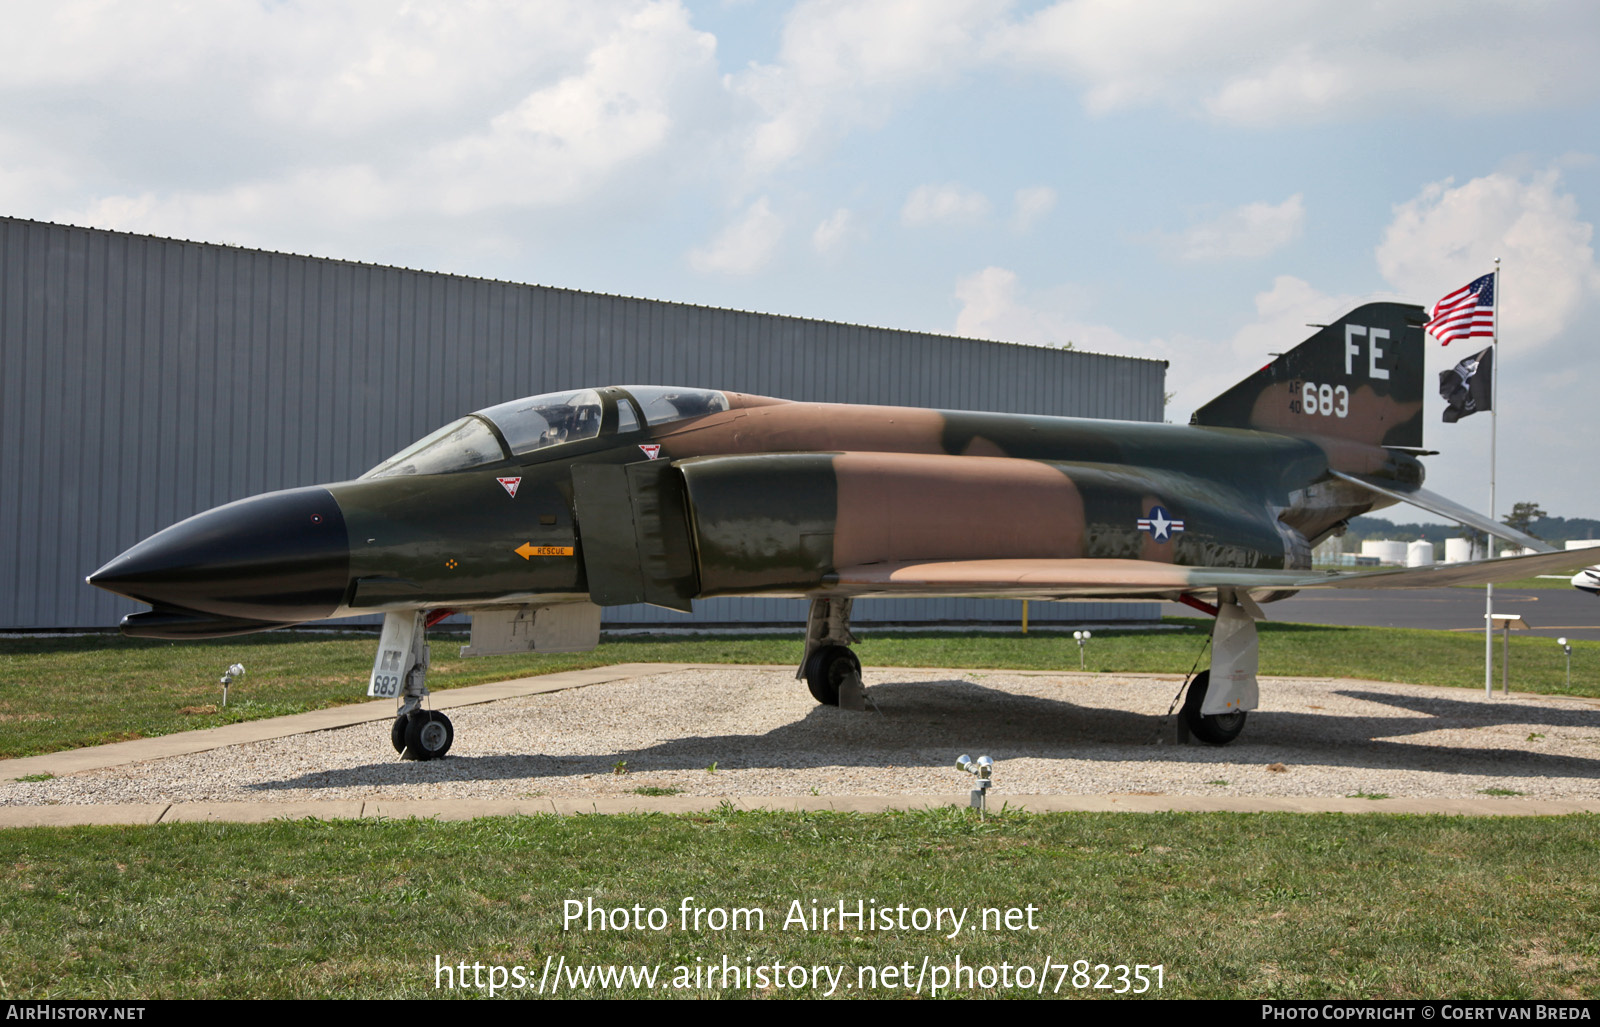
point(143, 380)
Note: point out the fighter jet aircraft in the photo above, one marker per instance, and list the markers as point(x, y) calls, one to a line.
point(533, 515)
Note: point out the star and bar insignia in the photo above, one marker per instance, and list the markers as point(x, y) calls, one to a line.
point(1159, 524)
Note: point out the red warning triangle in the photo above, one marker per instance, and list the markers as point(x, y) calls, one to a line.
point(510, 485)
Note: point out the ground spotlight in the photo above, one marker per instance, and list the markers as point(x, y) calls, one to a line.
point(981, 768)
point(235, 670)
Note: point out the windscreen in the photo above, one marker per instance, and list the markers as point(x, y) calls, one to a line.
point(468, 442)
point(548, 420)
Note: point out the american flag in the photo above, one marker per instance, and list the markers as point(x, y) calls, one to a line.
point(1466, 313)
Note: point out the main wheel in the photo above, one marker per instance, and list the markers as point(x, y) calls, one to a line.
point(428, 735)
point(827, 670)
point(1216, 729)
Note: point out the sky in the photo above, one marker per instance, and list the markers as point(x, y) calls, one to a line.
point(1188, 180)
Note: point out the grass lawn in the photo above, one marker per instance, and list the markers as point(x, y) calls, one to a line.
point(1229, 905)
point(62, 693)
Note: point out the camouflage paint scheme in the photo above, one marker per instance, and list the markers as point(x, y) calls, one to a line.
point(779, 498)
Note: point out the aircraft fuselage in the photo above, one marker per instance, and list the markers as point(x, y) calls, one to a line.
point(765, 497)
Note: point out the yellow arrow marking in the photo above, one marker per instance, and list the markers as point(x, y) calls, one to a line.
point(528, 550)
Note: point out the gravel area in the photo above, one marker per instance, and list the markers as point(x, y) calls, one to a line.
point(1048, 734)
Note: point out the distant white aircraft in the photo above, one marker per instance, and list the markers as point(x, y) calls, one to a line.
point(1588, 580)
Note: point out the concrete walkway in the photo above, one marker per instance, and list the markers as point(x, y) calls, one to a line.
point(120, 753)
point(467, 809)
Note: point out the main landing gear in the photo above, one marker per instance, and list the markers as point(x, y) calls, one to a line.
point(401, 671)
point(830, 669)
point(1216, 715)
point(1217, 728)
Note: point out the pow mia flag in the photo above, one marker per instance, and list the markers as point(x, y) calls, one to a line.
point(1466, 388)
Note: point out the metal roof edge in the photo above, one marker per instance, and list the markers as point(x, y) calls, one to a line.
point(579, 292)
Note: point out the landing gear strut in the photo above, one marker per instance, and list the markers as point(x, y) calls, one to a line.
point(401, 671)
point(1216, 715)
point(829, 666)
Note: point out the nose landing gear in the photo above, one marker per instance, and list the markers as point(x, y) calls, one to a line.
point(401, 671)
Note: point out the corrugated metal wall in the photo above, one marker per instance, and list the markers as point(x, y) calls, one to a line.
point(143, 380)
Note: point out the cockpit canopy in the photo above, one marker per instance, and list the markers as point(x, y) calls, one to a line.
point(525, 426)
point(548, 420)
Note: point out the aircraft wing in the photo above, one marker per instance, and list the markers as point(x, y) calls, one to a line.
point(1437, 504)
point(1132, 579)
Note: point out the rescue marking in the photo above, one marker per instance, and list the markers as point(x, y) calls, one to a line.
point(1159, 524)
point(510, 485)
point(652, 451)
point(528, 550)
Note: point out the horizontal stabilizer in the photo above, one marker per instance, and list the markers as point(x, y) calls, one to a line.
point(1437, 504)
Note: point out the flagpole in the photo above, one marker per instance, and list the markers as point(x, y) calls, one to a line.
point(1494, 415)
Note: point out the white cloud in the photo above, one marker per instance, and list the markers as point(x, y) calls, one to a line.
point(1448, 235)
point(844, 64)
point(294, 119)
point(1253, 230)
point(943, 204)
point(1264, 62)
point(834, 231)
point(560, 141)
point(1030, 205)
point(994, 306)
point(744, 246)
point(1284, 316)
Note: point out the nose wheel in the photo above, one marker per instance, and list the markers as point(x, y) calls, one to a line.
point(422, 735)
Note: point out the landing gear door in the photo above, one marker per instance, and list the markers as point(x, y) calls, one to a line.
point(1235, 656)
point(633, 524)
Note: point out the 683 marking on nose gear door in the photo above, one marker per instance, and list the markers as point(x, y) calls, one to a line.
point(386, 678)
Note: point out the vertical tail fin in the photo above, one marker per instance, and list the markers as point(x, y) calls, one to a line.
point(1359, 378)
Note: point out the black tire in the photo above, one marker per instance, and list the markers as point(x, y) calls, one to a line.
point(1217, 729)
point(428, 735)
point(827, 670)
point(397, 734)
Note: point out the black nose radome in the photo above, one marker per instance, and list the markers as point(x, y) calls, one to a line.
point(278, 557)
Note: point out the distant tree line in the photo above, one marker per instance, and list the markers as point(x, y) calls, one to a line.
point(1526, 517)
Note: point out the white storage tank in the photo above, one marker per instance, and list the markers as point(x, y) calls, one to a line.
point(1459, 550)
point(1388, 552)
point(1419, 554)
